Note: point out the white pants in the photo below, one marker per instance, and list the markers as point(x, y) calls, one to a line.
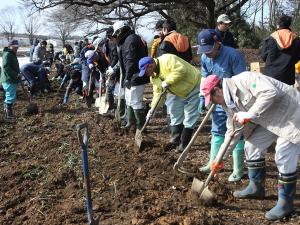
point(286, 153)
point(134, 96)
point(117, 90)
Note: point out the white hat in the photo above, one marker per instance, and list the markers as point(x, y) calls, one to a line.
point(89, 53)
point(118, 25)
point(97, 42)
point(223, 18)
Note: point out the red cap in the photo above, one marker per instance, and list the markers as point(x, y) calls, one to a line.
point(208, 85)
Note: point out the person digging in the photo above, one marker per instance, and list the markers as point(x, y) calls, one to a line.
point(182, 79)
point(269, 110)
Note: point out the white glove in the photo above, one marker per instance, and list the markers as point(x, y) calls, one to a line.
point(164, 84)
point(243, 117)
point(107, 82)
point(84, 84)
point(109, 71)
point(149, 114)
point(91, 66)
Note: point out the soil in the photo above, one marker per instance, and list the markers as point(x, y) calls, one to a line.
point(42, 183)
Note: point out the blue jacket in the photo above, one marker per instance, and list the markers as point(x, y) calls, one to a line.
point(228, 63)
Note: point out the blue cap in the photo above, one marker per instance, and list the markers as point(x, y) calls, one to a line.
point(143, 63)
point(206, 40)
point(14, 43)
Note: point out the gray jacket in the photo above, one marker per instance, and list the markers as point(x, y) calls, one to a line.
point(39, 54)
point(275, 105)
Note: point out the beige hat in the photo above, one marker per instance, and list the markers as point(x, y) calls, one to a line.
point(223, 18)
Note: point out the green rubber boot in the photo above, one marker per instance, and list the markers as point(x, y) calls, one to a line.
point(130, 119)
point(238, 162)
point(216, 142)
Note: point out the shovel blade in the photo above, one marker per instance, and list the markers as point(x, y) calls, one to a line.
point(206, 196)
point(138, 139)
point(103, 107)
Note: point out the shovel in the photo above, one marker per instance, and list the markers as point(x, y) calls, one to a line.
point(85, 167)
point(31, 108)
point(103, 104)
point(178, 164)
point(207, 196)
point(138, 133)
point(117, 111)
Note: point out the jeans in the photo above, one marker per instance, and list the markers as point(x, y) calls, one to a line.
point(10, 92)
point(185, 110)
point(218, 126)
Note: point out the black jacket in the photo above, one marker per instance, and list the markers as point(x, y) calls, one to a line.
point(280, 61)
point(132, 49)
point(176, 44)
point(110, 50)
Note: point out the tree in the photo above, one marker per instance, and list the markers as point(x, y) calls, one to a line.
point(62, 23)
point(32, 25)
point(199, 13)
point(8, 22)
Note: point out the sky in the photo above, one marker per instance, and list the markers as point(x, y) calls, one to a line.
point(145, 32)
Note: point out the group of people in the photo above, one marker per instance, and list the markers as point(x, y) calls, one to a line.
point(266, 105)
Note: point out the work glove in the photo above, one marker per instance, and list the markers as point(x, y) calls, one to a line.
point(164, 84)
point(66, 98)
point(110, 71)
point(85, 88)
point(216, 167)
point(243, 117)
point(201, 107)
point(149, 114)
point(127, 84)
point(91, 66)
point(107, 82)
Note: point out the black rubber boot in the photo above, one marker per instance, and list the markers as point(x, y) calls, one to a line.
point(175, 131)
point(140, 118)
point(186, 136)
point(111, 101)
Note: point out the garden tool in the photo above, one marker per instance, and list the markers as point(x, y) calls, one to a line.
point(118, 109)
point(103, 104)
point(207, 196)
point(83, 141)
point(178, 164)
point(31, 108)
point(138, 133)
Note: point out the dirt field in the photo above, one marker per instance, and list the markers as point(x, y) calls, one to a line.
point(41, 176)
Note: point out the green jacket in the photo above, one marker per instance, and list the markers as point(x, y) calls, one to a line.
point(10, 67)
point(180, 75)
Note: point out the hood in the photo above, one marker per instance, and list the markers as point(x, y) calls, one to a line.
point(180, 42)
point(284, 38)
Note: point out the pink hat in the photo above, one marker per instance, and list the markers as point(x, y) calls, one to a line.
point(208, 85)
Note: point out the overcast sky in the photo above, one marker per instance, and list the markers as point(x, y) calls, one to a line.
point(145, 32)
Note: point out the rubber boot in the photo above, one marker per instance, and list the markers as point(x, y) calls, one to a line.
point(257, 177)
point(175, 131)
point(216, 142)
point(186, 136)
point(286, 194)
point(238, 162)
point(140, 118)
point(122, 108)
point(129, 117)
point(8, 111)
